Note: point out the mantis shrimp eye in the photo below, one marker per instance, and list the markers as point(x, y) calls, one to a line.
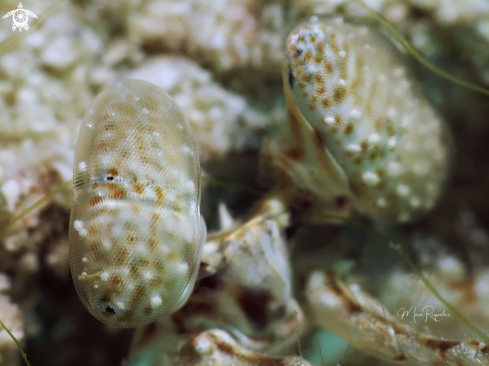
point(136, 233)
point(352, 88)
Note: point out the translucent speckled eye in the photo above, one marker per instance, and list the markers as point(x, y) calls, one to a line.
point(136, 233)
point(361, 133)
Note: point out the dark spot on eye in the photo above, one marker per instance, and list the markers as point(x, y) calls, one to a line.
point(341, 201)
point(291, 79)
point(109, 309)
point(110, 178)
point(106, 297)
point(298, 51)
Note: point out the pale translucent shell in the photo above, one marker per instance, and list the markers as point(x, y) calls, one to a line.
point(355, 90)
point(136, 233)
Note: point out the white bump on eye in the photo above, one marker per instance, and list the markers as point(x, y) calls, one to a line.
point(353, 148)
point(84, 260)
point(181, 268)
point(165, 249)
point(355, 113)
point(120, 305)
point(89, 125)
point(342, 53)
point(381, 202)
point(78, 225)
point(145, 110)
point(391, 142)
point(342, 82)
point(156, 302)
point(106, 244)
point(148, 275)
point(371, 179)
point(82, 166)
point(329, 120)
point(402, 190)
point(95, 286)
point(374, 138)
point(104, 276)
point(84, 273)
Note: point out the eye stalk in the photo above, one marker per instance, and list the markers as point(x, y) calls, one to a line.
point(136, 233)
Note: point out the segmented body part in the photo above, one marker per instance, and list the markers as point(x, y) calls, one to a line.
point(254, 295)
point(136, 233)
point(248, 291)
point(216, 347)
point(367, 325)
point(356, 96)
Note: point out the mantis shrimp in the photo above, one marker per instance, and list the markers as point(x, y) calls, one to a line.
point(245, 308)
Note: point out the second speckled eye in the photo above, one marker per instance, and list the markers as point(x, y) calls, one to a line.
point(383, 148)
point(136, 233)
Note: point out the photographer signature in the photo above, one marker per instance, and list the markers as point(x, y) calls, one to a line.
point(427, 312)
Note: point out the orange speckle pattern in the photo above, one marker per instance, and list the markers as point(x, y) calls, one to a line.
point(136, 232)
point(356, 88)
